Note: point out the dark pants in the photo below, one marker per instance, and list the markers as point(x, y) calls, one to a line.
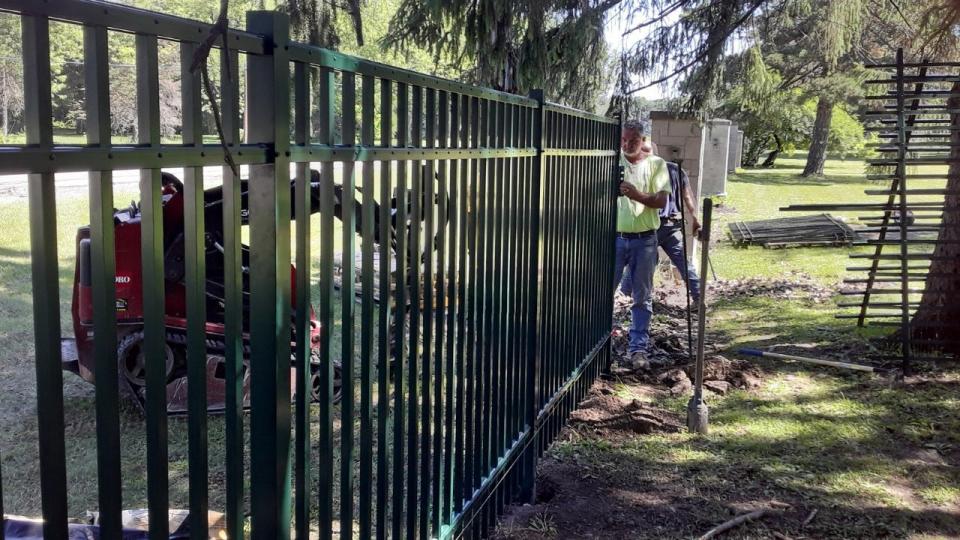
point(637, 258)
point(670, 238)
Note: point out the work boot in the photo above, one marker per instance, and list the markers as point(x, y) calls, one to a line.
point(639, 361)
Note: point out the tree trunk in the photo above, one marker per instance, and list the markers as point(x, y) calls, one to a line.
point(772, 156)
point(818, 139)
point(938, 317)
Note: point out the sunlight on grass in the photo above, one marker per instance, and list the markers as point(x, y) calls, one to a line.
point(866, 485)
point(940, 494)
point(686, 455)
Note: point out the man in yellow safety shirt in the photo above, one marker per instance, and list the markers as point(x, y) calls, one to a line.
point(643, 191)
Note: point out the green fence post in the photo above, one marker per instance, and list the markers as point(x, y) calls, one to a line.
point(528, 485)
point(268, 110)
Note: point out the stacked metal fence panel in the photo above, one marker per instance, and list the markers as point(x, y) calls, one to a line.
point(914, 105)
point(911, 108)
point(499, 294)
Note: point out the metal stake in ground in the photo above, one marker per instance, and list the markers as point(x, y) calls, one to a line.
point(697, 413)
point(686, 267)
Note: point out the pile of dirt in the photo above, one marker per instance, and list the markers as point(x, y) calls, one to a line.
point(719, 374)
point(604, 412)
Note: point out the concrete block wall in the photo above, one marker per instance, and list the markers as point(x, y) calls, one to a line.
point(736, 149)
point(679, 139)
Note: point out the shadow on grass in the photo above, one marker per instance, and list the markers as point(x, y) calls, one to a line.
point(850, 450)
point(791, 177)
point(876, 458)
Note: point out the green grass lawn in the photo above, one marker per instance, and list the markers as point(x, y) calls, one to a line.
point(869, 427)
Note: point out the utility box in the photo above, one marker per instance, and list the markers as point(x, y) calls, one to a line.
point(703, 150)
point(714, 156)
point(734, 160)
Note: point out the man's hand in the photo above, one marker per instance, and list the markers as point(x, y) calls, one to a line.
point(695, 226)
point(630, 191)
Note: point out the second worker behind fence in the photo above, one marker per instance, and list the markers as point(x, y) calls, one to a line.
point(643, 192)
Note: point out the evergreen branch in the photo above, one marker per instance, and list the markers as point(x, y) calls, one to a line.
point(666, 11)
point(896, 6)
point(703, 54)
point(787, 83)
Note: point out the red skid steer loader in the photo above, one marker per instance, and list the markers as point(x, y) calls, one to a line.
point(129, 300)
point(78, 352)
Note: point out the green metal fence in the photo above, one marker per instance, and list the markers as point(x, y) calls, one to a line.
point(494, 307)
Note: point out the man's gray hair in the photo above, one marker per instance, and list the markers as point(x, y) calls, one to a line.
point(633, 125)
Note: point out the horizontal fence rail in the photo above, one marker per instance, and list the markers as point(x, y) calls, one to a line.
point(396, 300)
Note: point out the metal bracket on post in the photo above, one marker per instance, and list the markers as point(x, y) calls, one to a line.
point(268, 110)
point(618, 173)
point(529, 460)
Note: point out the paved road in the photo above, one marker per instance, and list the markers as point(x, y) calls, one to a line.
point(14, 186)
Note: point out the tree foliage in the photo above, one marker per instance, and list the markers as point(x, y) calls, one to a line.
point(513, 46)
point(771, 117)
point(11, 75)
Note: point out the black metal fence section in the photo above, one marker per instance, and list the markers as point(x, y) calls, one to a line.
point(493, 265)
point(910, 110)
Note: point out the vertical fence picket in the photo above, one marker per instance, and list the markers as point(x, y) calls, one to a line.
point(103, 266)
point(415, 264)
point(37, 116)
point(195, 279)
point(481, 450)
point(151, 248)
point(439, 245)
point(400, 467)
point(368, 231)
point(472, 413)
point(325, 438)
point(427, 171)
point(302, 207)
point(233, 298)
point(385, 312)
point(347, 310)
point(453, 379)
point(474, 388)
point(464, 375)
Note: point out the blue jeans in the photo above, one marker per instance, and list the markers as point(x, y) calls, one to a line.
point(639, 257)
point(670, 238)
